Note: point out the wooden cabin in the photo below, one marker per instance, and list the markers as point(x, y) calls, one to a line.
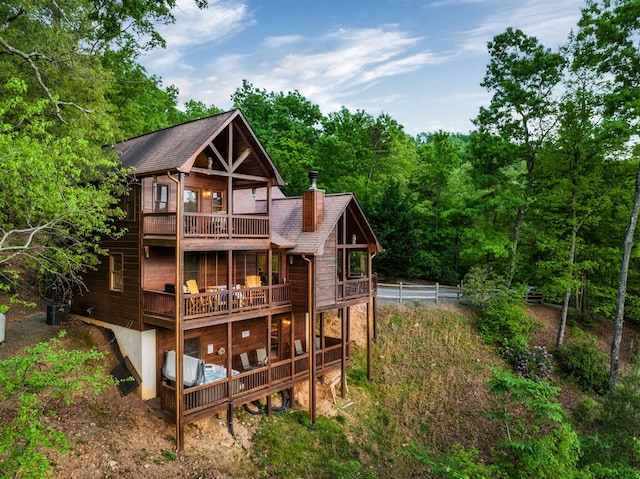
point(218, 271)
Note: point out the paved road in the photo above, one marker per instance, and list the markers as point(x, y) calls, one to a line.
point(416, 293)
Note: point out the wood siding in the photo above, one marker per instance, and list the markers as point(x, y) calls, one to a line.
point(100, 302)
point(327, 273)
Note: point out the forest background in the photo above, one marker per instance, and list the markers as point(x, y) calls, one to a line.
point(541, 192)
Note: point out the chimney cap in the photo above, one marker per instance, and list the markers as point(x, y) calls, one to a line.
point(313, 176)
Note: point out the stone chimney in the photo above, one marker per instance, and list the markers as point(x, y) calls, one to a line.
point(312, 205)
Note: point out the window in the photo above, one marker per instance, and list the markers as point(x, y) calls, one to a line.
point(160, 198)
point(191, 267)
point(115, 268)
point(217, 201)
point(190, 201)
point(192, 346)
point(129, 204)
point(275, 269)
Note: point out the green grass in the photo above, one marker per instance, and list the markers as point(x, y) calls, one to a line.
point(290, 446)
point(430, 369)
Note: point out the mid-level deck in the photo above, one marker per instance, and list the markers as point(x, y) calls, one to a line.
point(218, 304)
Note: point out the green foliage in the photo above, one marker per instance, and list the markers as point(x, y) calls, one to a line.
point(612, 429)
point(288, 445)
point(632, 309)
point(393, 220)
point(538, 440)
point(481, 285)
point(505, 323)
point(288, 127)
point(53, 212)
point(502, 318)
point(458, 463)
point(33, 382)
point(581, 360)
point(169, 455)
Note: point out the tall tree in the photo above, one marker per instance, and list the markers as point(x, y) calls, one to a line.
point(572, 191)
point(288, 127)
point(522, 75)
point(610, 31)
point(439, 179)
point(60, 186)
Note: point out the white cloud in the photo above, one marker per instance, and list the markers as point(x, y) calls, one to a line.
point(196, 26)
point(550, 22)
point(327, 70)
point(282, 41)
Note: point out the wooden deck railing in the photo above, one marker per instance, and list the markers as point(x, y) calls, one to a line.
point(217, 303)
point(204, 225)
point(214, 395)
point(354, 288)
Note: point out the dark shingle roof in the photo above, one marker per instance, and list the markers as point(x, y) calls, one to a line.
point(176, 148)
point(286, 220)
point(169, 149)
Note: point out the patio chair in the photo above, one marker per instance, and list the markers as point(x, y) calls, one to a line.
point(256, 297)
point(262, 356)
point(252, 281)
point(196, 305)
point(244, 357)
point(298, 345)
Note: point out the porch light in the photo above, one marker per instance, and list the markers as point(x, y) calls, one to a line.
point(353, 239)
point(207, 193)
point(290, 259)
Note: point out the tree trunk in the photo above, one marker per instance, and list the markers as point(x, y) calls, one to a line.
point(572, 259)
point(622, 288)
point(514, 250)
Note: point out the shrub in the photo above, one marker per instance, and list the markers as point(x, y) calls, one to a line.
point(613, 429)
point(506, 323)
point(582, 362)
point(539, 442)
point(481, 285)
point(32, 383)
point(534, 363)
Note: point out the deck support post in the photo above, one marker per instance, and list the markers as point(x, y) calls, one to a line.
point(344, 314)
point(179, 336)
point(230, 419)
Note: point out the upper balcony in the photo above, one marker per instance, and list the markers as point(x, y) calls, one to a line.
point(207, 225)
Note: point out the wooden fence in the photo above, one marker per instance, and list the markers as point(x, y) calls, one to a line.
point(435, 293)
point(412, 293)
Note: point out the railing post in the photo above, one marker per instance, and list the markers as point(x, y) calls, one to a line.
point(400, 293)
point(437, 291)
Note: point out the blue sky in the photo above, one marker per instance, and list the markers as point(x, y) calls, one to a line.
point(421, 62)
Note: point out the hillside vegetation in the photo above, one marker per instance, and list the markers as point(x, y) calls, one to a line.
point(426, 411)
point(441, 404)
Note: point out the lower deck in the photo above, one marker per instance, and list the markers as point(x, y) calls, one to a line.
point(216, 394)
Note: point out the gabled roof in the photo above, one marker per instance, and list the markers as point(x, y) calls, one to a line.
point(286, 221)
point(176, 148)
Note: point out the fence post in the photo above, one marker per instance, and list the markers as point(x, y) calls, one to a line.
point(437, 291)
point(400, 293)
